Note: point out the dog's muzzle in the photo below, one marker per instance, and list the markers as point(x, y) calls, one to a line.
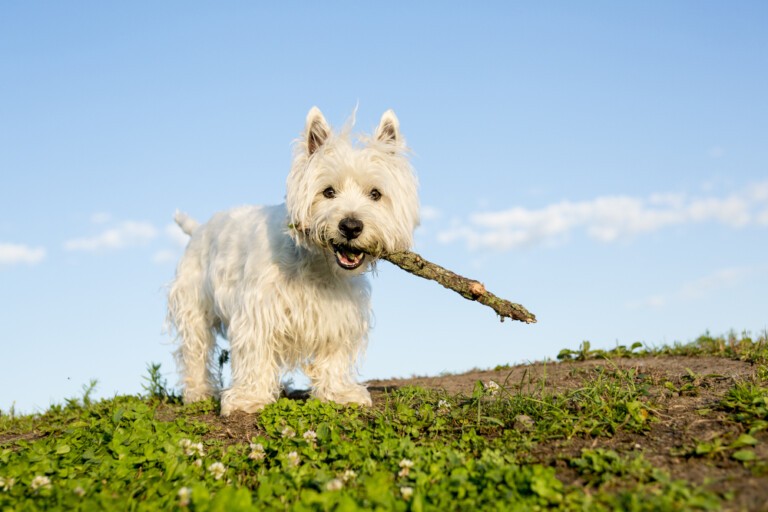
point(348, 257)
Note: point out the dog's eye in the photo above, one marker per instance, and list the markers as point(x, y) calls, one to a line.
point(329, 193)
point(375, 194)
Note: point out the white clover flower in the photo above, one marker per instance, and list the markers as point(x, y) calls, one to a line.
point(79, 491)
point(334, 485)
point(406, 492)
point(405, 467)
point(6, 484)
point(310, 436)
point(184, 494)
point(191, 448)
point(198, 463)
point(288, 432)
point(293, 458)
point(257, 452)
point(443, 406)
point(40, 482)
point(217, 469)
point(492, 388)
point(348, 475)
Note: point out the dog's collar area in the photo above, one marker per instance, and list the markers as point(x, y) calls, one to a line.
point(348, 257)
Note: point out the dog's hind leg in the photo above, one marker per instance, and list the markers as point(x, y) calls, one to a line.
point(192, 319)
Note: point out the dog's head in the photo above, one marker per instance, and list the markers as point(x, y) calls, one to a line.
point(354, 200)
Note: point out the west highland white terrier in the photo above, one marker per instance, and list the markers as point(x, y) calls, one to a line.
point(284, 284)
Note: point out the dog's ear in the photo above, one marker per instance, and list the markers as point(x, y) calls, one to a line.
point(389, 129)
point(316, 131)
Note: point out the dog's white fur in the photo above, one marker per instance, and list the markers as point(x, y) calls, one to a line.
point(278, 282)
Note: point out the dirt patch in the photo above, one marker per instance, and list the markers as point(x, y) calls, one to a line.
point(683, 389)
point(563, 376)
point(8, 439)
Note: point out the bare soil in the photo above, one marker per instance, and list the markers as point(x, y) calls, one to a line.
point(680, 426)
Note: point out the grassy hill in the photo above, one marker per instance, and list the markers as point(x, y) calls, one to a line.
point(673, 428)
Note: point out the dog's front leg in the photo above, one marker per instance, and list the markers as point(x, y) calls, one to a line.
point(332, 375)
point(255, 373)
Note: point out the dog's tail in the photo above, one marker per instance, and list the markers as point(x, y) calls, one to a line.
point(185, 222)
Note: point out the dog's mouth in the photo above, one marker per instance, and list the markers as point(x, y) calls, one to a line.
point(348, 257)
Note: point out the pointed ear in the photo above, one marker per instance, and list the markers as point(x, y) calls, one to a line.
point(389, 129)
point(316, 131)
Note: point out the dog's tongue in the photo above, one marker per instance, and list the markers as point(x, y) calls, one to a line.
point(350, 257)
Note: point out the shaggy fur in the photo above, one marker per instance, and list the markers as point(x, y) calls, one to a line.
point(284, 284)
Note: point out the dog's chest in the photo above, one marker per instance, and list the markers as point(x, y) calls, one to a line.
point(322, 313)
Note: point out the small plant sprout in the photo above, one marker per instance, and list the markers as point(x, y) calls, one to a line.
point(217, 469)
point(288, 433)
point(156, 385)
point(334, 485)
point(40, 482)
point(184, 494)
point(257, 452)
point(406, 492)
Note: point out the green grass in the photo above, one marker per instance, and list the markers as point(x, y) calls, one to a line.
point(742, 346)
point(511, 446)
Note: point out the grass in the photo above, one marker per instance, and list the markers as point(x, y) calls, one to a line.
point(520, 444)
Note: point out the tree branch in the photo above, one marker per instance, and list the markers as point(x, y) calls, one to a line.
point(467, 288)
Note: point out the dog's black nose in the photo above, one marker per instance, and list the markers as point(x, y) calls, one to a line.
point(350, 228)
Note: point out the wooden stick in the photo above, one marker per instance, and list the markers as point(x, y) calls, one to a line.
point(467, 288)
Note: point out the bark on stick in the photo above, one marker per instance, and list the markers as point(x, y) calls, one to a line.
point(467, 288)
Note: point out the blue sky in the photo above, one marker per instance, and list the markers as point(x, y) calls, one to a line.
point(603, 163)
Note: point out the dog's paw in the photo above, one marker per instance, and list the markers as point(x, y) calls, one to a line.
point(356, 394)
point(198, 394)
point(237, 400)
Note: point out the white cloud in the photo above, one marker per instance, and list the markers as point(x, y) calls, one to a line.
point(430, 213)
point(126, 234)
point(177, 236)
point(759, 192)
point(652, 302)
point(101, 218)
point(11, 254)
point(179, 240)
point(700, 288)
point(707, 285)
point(606, 218)
point(165, 256)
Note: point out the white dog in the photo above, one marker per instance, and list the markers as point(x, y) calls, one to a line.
point(284, 283)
